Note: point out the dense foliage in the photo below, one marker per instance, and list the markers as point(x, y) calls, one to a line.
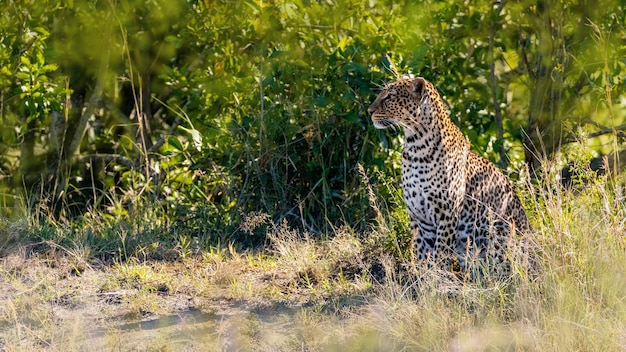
point(215, 109)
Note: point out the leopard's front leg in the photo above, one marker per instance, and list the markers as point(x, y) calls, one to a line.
point(423, 242)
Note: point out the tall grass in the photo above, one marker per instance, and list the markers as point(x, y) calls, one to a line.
point(575, 301)
point(361, 287)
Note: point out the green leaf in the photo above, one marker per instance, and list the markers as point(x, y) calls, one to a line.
point(196, 137)
point(353, 117)
point(33, 115)
point(254, 6)
point(175, 142)
point(40, 58)
point(344, 42)
point(42, 31)
point(511, 58)
point(50, 68)
point(23, 76)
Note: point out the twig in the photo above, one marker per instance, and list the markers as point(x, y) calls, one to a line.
point(94, 100)
point(617, 130)
point(158, 143)
point(120, 159)
point(391, 68)
point(494, 87)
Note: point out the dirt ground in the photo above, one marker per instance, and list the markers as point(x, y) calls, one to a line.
point(56, 302)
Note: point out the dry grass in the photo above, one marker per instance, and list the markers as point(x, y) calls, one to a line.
point(346, 292)
point(574, 302)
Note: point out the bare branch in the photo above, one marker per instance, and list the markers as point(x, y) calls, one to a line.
point(617, 130)
point(522, 46)
point(392, 67)
point(494, 86)
point(94, 100)
point(116, 158)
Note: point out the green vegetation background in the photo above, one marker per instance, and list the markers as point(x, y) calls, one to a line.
point(193, 131)
point(134, 125)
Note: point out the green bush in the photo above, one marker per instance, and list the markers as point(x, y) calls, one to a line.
point(207, 111)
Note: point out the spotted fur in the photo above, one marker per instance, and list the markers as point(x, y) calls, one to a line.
point(462, 207)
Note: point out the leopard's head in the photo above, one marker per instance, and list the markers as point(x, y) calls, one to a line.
point(399, 103)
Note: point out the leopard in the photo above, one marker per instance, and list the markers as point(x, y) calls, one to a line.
point(463, 211)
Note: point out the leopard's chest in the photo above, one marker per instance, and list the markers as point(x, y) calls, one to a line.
point(421, 184)
point(433, 182)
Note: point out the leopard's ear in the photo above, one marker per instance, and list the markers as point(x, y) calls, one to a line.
point(417, 87)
